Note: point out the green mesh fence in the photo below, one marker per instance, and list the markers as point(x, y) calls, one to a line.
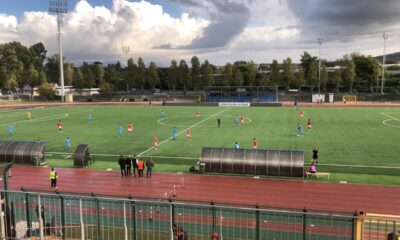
point(89, 217)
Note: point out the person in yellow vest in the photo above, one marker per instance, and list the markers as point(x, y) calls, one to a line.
point(53, 178)
point(29, 115)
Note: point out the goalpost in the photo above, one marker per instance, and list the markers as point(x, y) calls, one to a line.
point(349, 99)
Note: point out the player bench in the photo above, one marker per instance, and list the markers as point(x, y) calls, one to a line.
point(318, 174)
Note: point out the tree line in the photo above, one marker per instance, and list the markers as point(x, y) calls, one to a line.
point(21, 65)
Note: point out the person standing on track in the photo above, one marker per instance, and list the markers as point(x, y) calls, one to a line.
point(135, 165)
point(140, 167)
point(121, 163)
point(59, 126)
point(149, 166)
point(128, 166)
point(315, 155)
point(53, 178)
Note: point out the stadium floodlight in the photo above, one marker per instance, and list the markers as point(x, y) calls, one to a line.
point(385, 37)
point(126, 49)
point(319, 63)
point(59, 7)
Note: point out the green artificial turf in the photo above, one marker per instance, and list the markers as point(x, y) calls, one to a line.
point(350, 140)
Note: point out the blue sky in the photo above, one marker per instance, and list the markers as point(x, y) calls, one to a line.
point(18, 7)
point(218, 30)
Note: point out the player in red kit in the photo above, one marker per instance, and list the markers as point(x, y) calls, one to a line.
point(59, 125)
point(188, 133)
point(254, 143)
point(155, 142)
point(241, 120)
point(197, 114)
point(301, 114)
point(130, 128)
point(309, 124)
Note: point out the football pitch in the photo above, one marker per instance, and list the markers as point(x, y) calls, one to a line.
point(355, 144)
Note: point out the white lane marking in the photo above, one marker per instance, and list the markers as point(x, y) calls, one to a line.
point(391, 118)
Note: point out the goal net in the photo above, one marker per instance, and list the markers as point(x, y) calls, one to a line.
point(349, 99)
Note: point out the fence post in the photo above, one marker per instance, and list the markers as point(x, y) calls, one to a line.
point(81, 220)
point(63, 221)
point(125, 228)
point(171, 217)
point(41, 229)
point(258, 222)
point(359, 222)
point(133, 209)
point(214, 216)
point(28, 215)
point(98, 232)
point(304, 224)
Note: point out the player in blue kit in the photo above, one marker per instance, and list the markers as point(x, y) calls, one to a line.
point(174, 133)
point(67, 144)
point(89, 118)
point(299, 130)
point(120, 129)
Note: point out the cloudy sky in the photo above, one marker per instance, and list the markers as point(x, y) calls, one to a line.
point(218, 30)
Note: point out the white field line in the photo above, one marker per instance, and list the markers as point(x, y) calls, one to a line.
point(359, 166)
point(184, 130)
point(194, 158)
point(16, 112)
point(117, 155)
point(51, 117)
point(391, 118)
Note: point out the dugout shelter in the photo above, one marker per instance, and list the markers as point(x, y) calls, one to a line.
point(82, 156)
point(254, 162)
point(32, 153)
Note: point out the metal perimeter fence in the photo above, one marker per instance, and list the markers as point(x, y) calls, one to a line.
point(33, 215)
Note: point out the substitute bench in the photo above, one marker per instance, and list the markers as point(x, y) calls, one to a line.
point(318, 174)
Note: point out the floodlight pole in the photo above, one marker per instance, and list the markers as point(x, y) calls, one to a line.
point(59, 7)
point(126, 49)
point(385, 37)
point(319, 63)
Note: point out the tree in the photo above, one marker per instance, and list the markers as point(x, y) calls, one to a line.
point(275, 76)
point(349, 73)
point(313, 75)
point(32, 76)
point(153, 78)
point(173, 75)
point(141, 74)
point(288, 74)
point(77, 79)
point(337, 80)
point(237, 76)
point(228, 74)
point(68, 73)
point(38, 54)
point(46, 90)
point(367, 70)
point(251, 73)
point(206, 69)
point(88, 75)
point(324, 77)
point(184, 75)
point(130, 74)
point(300, 80)
point(52, 69)
point(98, 72)
point(308, 64)
point(195, 72)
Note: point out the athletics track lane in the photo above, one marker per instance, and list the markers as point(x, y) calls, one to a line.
point(221, 189)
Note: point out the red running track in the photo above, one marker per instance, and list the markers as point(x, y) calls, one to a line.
point(222, 189)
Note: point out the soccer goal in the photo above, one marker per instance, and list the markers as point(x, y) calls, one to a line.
point(349, 99)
